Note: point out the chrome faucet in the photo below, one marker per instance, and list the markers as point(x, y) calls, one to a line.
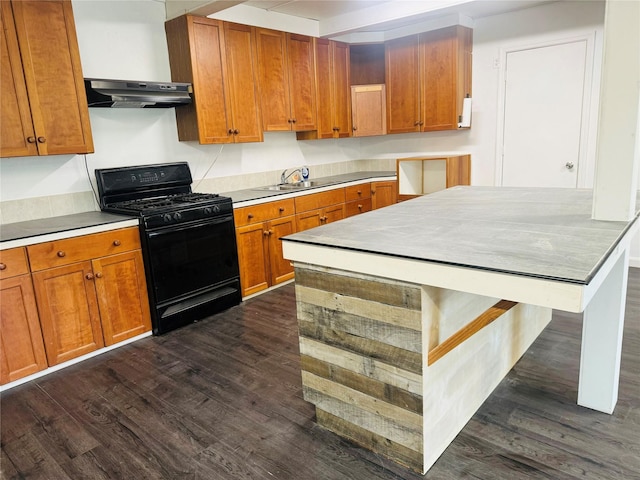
point(284, 177)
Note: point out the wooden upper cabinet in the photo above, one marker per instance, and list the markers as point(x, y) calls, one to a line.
point(427, 77)
point(333, 95)
point(44, 105)
point(225, 107)
point(286, 79)
point(243, 88)
point(402, 80)
point(446, 76)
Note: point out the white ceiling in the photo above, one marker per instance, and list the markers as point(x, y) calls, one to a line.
point(339, 17)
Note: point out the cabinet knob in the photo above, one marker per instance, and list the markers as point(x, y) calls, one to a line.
point(62, 253)
point(293, 120)
point(359, 192)
point(41, 139)
point(31, 139)
point(230, 131)
point(354, 128)
point(250, 216)
point(236, 131)
point(265, 232)
point(3, 266)
point(281, 209)
point(359, 207)
point(116, 243)
point(416, 123)
point(289, 120)
point(89, 276)
point(99, 275)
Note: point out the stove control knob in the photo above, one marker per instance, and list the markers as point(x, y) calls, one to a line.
point(208, 210)
point(216, 208)
point(177, 216)
point(167, 218)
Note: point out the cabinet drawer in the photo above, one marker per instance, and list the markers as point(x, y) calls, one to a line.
point(262, 212)
point(357, 192)
point(319, 200)
point(13, 262)
point(357, 206)
point(86, 247)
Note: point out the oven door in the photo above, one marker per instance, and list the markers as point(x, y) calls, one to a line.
point(186, 259)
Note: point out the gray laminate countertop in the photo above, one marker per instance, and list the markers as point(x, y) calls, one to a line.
point(65, 226)
point(259, 194)
point(539, 232)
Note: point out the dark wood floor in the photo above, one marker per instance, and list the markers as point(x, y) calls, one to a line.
point(221, 399)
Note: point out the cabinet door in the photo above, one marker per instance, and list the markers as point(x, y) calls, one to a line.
point(53, 75)
point(324, 95)
point(253, 258)
point(17, 137)
point(21, 346)
point(402, 79)
point(241, 79)
point(309, 219)
point(122, 296)
point(302, 81)
point(273, 80)
point(69, 314)
point(196, 55)
point(369, 110)
point(281, 269)
point(383, 194)
point(341, 97)
point(332, 213)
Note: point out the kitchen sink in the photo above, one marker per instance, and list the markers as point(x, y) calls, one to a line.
point(289, 186)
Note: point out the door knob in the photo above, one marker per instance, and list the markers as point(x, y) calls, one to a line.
point(569, 165)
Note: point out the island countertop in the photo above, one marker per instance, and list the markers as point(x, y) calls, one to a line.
point(534, 232)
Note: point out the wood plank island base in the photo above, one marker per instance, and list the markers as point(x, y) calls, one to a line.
point(410, 316)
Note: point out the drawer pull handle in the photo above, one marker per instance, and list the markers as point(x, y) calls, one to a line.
point(3, 266)
point(250, 216)
point(359, 192)
point(117, 243)
point(89, 276)
point(61, 254)
point(281, 209)
point(99, 275)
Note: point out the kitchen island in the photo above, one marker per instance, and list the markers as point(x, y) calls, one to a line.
point(411, 315)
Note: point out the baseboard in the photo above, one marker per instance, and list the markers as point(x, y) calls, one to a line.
point(634, 262)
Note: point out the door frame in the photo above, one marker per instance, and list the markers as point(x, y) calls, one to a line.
point(589, 122)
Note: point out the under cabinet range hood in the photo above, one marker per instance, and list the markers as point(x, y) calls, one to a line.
point(135, 94)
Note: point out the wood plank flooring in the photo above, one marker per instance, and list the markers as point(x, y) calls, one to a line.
point(221, 399)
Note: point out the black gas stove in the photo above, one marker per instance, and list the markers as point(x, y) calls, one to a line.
point(188, 240)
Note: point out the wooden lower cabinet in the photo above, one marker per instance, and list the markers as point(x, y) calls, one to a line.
point(259, 230)
point(358, 199)
point(384, 193)
point(322, 216)
point(87, 300)
point(21, 347)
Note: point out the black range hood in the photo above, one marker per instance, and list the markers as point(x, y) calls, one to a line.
point(136, 94)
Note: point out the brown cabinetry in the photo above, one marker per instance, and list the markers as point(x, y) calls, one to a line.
point(286, 80)
point(318, 209)
point(383, 193)
point(218, 58)
point(357, 199)
point(22, 349)
point(333, 91)
point(427, 77)
point(43, 102)
point(90, 290)
point(259, 229)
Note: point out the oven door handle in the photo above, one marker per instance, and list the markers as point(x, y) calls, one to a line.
point(189, 225)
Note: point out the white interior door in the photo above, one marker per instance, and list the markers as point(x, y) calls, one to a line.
point(544, 101)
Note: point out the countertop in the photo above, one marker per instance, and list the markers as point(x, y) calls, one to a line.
point(536, 232)
point(257, 195)
point(47, 229)
point(20, 234)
